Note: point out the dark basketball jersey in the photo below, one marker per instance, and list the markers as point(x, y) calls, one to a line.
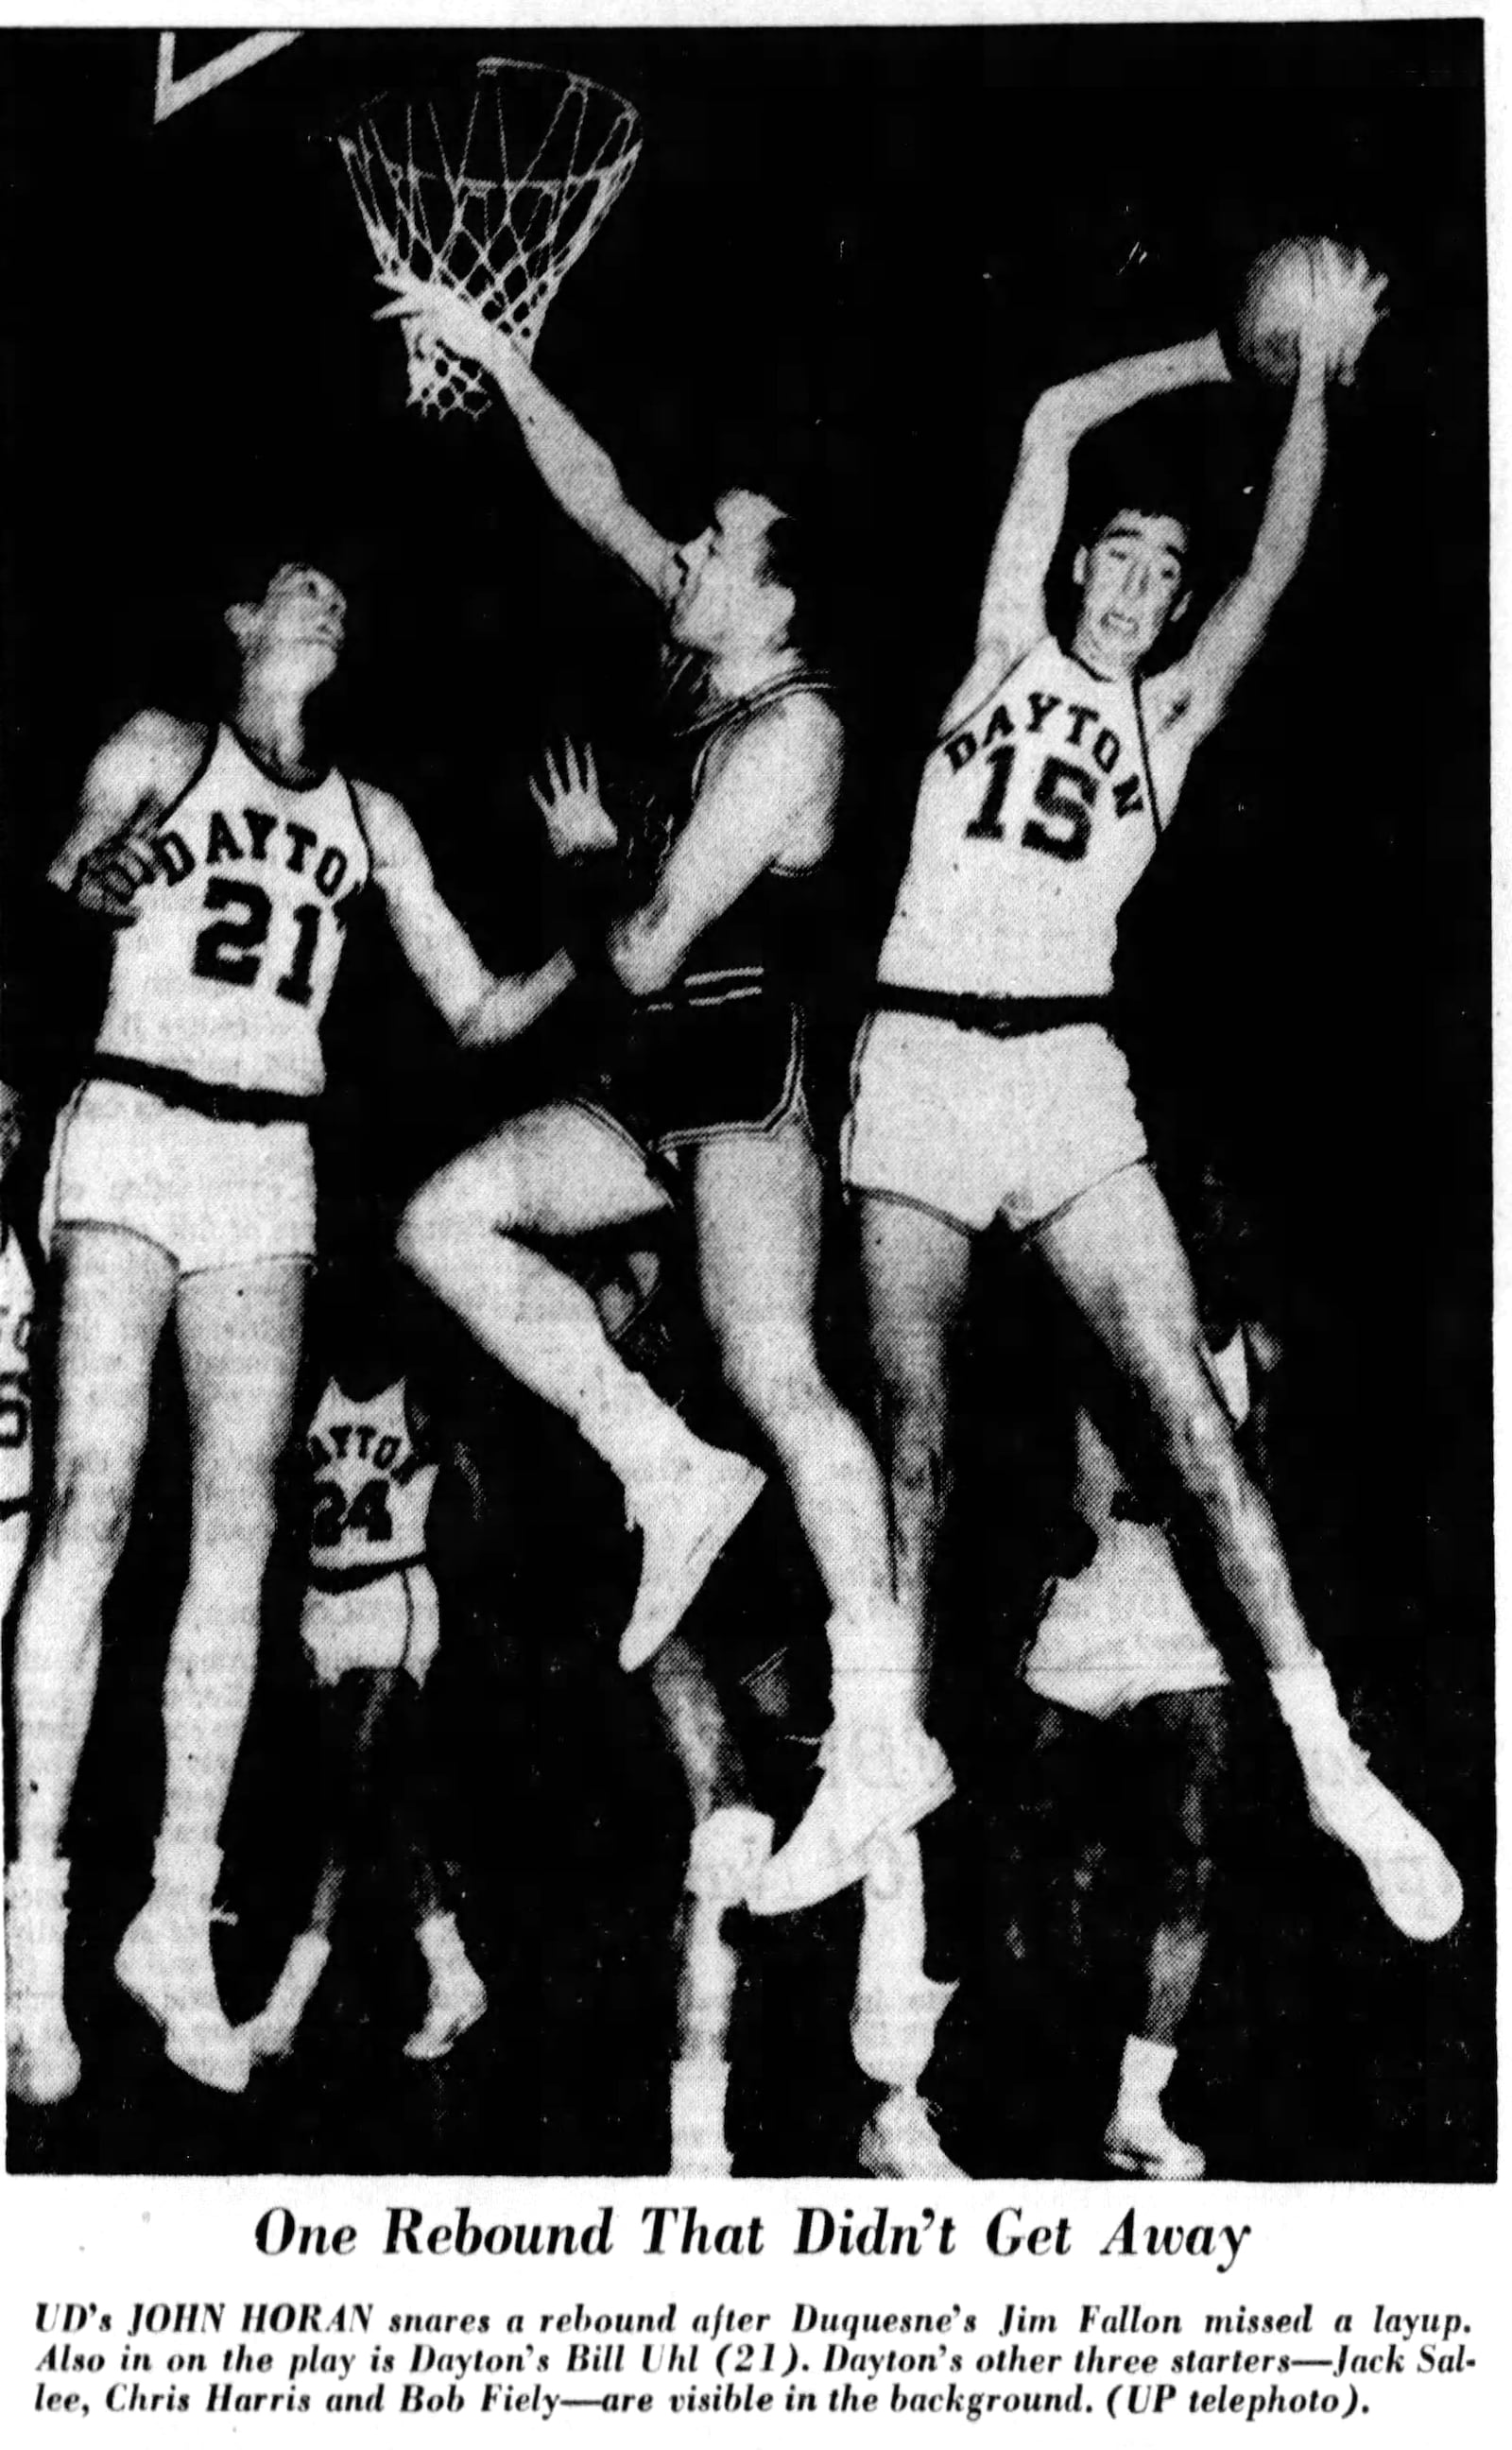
point(762, 940)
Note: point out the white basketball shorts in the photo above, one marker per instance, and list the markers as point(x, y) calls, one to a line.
point(1121, 1631)
point(976, 1127)
point(394, 1621)
point(212, 1195)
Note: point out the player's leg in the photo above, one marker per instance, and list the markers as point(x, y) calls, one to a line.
point(757, 1209)
point(730, 1841)
point(114, 1290)
point(1115, 1251)
point(456, 1998)
point(239, 1330)
point(895, 2011)
point(350, 1707)
point(1190, 1751)
point(15, 1529)
point(1055, 1848)
point(468, 1235)
point(916, 1267)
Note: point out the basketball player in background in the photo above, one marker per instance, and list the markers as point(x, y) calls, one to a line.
point(987, 1084)
point(181, 1186)
point(371, 1627)
point(1133, 1711)
point(706, 1088)
point(895, 2007)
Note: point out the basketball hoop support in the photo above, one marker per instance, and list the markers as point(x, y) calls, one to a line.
point(175, 93)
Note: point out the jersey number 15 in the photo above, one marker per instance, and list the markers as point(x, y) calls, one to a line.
point(1063, 798)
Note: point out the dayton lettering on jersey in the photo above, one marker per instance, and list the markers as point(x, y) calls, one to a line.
point(345, 1441)
point(269, 840)
point(373, 1482)
point(1066, 790)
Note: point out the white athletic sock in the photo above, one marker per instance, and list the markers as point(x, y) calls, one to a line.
point(185, 1870)
point(897, 2006)
point(1307, 1702)
point(626, 1422)
point(441, 1944)
point(40, 1867)
point(1144, 2072)
point(874, 1660)
point(699, 2089)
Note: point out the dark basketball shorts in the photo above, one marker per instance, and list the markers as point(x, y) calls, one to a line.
point(688, 1071)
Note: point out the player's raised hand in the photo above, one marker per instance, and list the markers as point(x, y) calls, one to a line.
point(435, 313)
point(567, 794)
point(1348, 307)
point(110, 877)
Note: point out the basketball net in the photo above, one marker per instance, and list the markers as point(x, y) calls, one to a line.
point(495, 192)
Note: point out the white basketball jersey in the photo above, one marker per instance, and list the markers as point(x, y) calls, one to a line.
point(1036, 820)
point(373, 1488)
point(227, 970)
point(15, 1371)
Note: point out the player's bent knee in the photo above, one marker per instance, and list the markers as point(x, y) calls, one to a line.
point(445, 1221)
point(1199, 1440)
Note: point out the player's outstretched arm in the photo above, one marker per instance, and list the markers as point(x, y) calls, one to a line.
point(143, 769)
point(774, 791)
point(1185, 702)
point(479, 1008)
point(574, 468)
point(1013, 603)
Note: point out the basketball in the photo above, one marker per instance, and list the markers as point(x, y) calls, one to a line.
point(1279, 292)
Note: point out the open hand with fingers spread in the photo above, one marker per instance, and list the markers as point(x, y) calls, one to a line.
point(577, 822)
point(1346, 308)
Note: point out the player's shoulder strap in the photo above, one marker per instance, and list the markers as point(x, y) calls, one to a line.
point(725, 723)
point(991, 672)
point(735, 713)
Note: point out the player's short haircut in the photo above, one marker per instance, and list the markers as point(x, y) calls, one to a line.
point(1109, 523)
point(793, 560)
point(247, 576)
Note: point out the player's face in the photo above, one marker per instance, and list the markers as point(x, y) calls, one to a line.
point(1131, 581)
point(300, 627)
point(723, 598)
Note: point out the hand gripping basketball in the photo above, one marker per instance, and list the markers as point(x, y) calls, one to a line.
point(1347, 307)
point(1307, 308)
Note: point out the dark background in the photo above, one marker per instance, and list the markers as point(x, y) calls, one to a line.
point(844, 267)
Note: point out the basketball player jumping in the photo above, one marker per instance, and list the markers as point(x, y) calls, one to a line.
point(181, 1184)
point(708, 1079)
point(987, 1084)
